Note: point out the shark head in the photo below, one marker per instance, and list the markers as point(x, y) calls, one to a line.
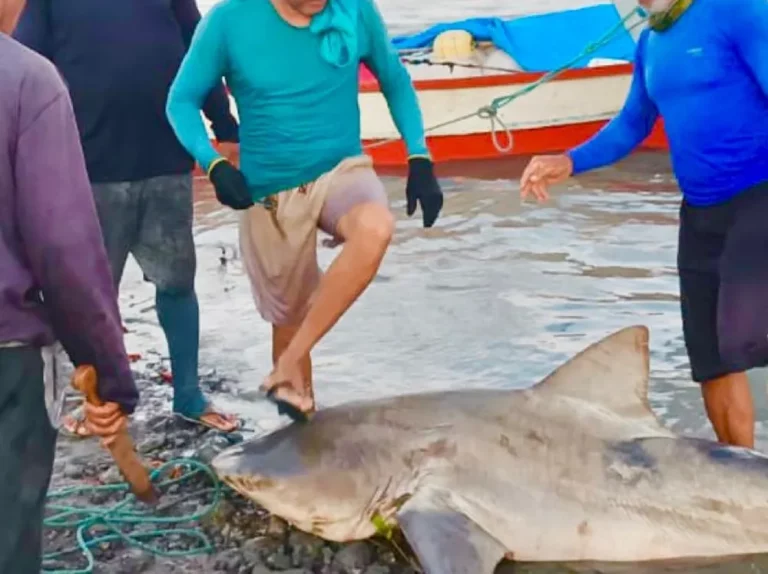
point(324, 477)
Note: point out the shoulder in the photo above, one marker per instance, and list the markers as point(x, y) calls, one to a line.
point(222, 11)
point(722, 13)
point(367, 9)
point(33, 80)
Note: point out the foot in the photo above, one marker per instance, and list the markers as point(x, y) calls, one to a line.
point(74, 425)
point(215, 420)
point(286, 388)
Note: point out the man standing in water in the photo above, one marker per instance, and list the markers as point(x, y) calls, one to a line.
point(703, 67)
point(301, 160)
point(55, 283)
point(118, 59)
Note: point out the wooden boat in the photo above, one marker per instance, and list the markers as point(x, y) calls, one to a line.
point(553, 117)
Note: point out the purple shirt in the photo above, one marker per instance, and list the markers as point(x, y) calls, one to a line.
point(55, 281)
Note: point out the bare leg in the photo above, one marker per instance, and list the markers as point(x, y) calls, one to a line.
point(281, 338)
point(366, 230)
point(728, 401)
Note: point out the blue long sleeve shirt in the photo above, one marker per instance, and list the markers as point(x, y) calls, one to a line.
point(118, 58)
point(298, 111)
point(707, 76)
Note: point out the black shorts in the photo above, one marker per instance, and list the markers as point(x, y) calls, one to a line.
point(723, 265)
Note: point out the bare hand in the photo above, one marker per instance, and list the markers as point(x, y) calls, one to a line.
point(106, 421)
point(543, 171)
point(230, 151)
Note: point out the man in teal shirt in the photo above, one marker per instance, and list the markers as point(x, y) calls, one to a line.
point(292, 68)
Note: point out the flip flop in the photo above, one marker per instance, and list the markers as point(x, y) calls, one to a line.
point(286, 408)
point(205, 423)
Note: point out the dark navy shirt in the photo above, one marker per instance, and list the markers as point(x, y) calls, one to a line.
point(119, 58)
point(707, 76)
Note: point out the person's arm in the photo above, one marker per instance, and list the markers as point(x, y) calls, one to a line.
point(625, 131)
point(33, 29)
point(63, 243)
point(203, 66)
point(747, 29)
point(394, 81)
point(216, 106)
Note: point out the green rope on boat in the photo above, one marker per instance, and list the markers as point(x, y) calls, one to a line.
point(120, 519)
point(619, 28)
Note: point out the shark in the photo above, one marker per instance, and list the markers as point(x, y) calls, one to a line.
point(576, 468)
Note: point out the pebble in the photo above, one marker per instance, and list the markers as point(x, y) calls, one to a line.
point(151, 443)
point(280, 560)
point(277, 527)
point(353, 557)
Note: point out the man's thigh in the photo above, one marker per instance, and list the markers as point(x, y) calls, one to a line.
point(26, 458)
point(356, 187)
point(743, 299)
point(165, 249)
point(117, 205)
point(279, 245)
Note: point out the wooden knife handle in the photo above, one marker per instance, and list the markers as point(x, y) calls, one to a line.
point(121, 447)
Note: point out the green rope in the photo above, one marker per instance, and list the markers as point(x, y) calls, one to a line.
point(590, 49)
point(128, 513)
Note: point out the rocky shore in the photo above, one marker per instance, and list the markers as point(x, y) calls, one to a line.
point(243, 538)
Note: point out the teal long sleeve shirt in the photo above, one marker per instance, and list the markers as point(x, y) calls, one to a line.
point(298, 110)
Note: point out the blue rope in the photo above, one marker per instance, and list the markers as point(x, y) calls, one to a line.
point(120, 518)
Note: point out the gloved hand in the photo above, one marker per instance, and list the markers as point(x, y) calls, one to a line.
point(230, 185)
point(422, 187)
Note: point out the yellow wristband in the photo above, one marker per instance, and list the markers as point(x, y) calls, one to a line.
point(214, 163)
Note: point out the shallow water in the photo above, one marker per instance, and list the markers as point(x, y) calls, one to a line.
point(498, 294)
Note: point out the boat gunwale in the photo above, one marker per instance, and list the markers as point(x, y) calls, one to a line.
point(511, 79)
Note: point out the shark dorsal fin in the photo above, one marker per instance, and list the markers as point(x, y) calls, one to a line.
point(612, 373)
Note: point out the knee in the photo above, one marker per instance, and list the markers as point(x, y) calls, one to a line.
point(372, 227)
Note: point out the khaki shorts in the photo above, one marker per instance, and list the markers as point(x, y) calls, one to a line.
point(278, 240)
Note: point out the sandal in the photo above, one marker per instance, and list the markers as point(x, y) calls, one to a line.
point(286, 408)
point(73, 425)
point(209, 420)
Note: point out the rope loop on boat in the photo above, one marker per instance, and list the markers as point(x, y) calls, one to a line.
point(491, 113)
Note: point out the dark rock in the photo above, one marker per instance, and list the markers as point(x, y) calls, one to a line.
point(277, 527)
point(151, 443)
point(255, 550)
point(306, 550)
point(353, 558)
point(229, 560)
point(279, 561)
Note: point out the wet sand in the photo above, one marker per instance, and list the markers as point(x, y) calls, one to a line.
point(498, 294)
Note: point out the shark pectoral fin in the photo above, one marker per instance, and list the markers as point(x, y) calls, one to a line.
point(446, 541)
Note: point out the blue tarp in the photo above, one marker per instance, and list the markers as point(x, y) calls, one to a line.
point(542, 42)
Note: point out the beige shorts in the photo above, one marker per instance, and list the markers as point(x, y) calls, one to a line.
point(278, 239)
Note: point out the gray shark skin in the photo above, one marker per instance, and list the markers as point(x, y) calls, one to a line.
point(576, 468)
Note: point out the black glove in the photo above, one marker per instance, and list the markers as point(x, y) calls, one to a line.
point(230, 185)
point(422, 187)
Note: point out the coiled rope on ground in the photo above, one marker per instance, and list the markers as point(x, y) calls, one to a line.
point(124, 520)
